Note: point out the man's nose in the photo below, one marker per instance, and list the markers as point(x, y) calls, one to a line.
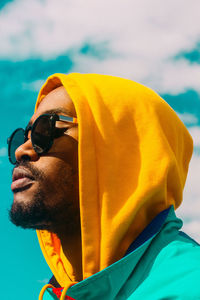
point(26, 151)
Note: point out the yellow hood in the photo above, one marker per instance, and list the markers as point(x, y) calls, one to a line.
point(133, 160)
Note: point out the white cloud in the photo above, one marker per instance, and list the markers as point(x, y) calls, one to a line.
point(143, 36)
point(188, 118)
point(33, 85)
point(44, 281)
point(195, 133)
point(3, 151)
point(192, 229)
point(189, 211)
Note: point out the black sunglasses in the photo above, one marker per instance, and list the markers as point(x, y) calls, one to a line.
point(43, 133)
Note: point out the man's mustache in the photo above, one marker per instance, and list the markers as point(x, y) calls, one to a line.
point(35, 173)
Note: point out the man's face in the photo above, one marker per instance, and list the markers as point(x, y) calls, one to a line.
point(48, 197)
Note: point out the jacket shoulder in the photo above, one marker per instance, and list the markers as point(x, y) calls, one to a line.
point(174, 274)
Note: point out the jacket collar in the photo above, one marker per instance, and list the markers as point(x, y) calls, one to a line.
point(124, 276)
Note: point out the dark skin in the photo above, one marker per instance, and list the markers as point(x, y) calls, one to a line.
point(55, 185)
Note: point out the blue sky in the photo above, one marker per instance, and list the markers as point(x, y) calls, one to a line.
point(153, 42)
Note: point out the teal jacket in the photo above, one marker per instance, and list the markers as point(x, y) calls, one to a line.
point(163, 263)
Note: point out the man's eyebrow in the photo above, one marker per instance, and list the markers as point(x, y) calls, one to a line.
point(59, 110)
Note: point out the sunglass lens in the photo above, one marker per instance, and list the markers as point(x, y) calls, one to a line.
point(16, 140)
point(42, 134)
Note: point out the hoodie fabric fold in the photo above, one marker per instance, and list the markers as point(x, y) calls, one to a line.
point(133, 153)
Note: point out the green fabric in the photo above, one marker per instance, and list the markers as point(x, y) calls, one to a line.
point(48, 295)
point(167, 266)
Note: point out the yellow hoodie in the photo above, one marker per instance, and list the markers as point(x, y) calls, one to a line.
point(133, 159)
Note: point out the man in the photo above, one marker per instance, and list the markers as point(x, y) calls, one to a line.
point(98, 172)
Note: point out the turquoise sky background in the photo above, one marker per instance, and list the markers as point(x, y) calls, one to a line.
point(152, 42)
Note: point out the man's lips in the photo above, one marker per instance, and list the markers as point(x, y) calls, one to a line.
point(21, 179)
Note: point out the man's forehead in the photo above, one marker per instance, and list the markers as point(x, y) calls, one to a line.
point(57, 101)
point(57, 98)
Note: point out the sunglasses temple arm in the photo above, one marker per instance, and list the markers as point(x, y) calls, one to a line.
point(67, 119)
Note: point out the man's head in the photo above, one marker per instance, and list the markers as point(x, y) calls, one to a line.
point(45, 186)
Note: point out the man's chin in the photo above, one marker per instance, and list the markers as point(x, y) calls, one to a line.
point(19, 218)
point(28, 211)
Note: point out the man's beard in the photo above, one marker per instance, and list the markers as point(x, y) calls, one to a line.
point(33, 215)
point(37, 214)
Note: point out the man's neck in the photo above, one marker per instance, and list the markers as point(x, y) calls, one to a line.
point(72, 249)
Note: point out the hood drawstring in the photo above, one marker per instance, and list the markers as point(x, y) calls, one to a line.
point(45, 287)
point(65, 291)
point(63, 294)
